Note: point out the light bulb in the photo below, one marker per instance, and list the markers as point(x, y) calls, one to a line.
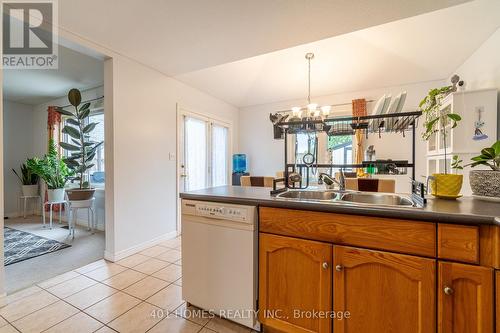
point(325, 109)
point(312, 108)
point(296, 111)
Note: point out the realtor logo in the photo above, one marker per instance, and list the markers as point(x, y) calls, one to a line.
point(29, 38)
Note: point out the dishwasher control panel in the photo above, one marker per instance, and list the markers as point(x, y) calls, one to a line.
point(222, 212)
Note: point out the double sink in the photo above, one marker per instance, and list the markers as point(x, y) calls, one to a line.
point(370, 198)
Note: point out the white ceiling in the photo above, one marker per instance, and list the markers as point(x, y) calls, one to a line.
point(179, 36)
point(422, 48)
point(35, 86)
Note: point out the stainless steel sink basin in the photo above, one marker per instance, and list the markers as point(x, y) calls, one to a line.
point(384, 199)
point(309, 195)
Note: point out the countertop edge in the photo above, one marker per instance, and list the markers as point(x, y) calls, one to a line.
point(365, 210)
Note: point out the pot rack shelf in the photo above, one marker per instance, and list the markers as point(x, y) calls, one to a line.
point(335, 126)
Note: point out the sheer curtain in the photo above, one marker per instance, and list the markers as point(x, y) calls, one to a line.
point(195, 132)
point(219, 155)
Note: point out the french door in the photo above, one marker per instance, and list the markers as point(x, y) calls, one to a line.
point(204, 152)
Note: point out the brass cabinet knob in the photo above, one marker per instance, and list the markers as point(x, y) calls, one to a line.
point(325, 265)
point(338, 268)
point(448, 290)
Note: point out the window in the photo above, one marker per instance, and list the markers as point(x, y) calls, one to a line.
point(341, 148)
point(96, 173)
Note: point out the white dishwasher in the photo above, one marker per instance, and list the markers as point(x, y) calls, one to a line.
point(219, 259)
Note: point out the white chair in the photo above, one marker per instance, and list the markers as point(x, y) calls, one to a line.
point(74, 206)
point(26, 199)
point(51, 204)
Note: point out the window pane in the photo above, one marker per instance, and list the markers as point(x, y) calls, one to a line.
point(219, 155)
point(97, 135)
point(195, 150)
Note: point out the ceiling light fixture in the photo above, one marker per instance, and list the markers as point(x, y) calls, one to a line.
point(311, 108)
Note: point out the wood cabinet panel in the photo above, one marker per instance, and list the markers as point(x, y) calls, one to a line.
point(371, 232)
point(497, 300)
point(384, 292)
point(294, 275)
point(458, 242)
point(465, 298)
point(489, 248)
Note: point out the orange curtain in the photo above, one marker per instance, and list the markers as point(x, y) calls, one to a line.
point(54, 133)
point(359, 110)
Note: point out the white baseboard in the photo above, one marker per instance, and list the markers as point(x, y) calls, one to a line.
point(137, 248)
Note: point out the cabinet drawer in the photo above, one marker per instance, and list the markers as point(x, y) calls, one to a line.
point(396, 235)
point(458, 242)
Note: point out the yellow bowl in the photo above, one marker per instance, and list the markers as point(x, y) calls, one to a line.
point(446, 185)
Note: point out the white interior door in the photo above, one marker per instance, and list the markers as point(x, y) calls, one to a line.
point(204, 152)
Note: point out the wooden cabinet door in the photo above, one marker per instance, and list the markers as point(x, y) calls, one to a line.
point(295, 281)
point(383, 292)
point(465, 298)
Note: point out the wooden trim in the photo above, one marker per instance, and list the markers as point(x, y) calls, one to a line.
point(458, 242)
point(489, 246)
point(396, 235)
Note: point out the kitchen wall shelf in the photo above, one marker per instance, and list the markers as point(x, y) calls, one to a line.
point(385, 123)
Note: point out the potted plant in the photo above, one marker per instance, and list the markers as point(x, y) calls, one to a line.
point(486, 183)
point(28, 179)
point(53, 171)
point(81, 149)
point(444, 185)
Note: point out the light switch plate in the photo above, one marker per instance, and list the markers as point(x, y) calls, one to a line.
point(171, 156)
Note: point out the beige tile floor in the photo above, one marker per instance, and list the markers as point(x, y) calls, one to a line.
point(140, 293)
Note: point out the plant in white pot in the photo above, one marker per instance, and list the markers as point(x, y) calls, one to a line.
point(81, 149)
point(28, 179)
point(54, 172)
point(486, 183)
point(444, 185)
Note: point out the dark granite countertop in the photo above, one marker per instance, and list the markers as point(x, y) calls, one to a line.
point(465, 210)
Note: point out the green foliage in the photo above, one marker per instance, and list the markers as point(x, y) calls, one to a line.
point(489, 156)
point(337, 140)
point(27, 176)
point(456, 163)
point(51, 168)
point(82, 151)
point(434, 116)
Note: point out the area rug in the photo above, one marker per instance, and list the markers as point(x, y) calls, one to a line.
point(20, 245)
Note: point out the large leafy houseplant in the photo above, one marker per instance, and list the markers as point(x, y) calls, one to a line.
point(81, 148)
point(53, 171)
point(486, 183)
point(436, 118)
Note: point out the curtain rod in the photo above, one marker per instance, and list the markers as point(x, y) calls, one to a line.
point(89, 100)
point(332, 105)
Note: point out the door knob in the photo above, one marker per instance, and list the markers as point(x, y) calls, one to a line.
point(325, 265)
point(183, 175)
point(338, 268)
point(448, 290)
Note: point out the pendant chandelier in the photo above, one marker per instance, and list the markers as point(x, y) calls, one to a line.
point(311, 110)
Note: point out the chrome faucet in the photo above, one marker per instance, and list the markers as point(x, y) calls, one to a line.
point(329, 180)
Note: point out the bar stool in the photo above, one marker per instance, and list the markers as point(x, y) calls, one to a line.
point(74, 206)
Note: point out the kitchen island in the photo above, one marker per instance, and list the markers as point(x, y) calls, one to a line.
point(351, 267)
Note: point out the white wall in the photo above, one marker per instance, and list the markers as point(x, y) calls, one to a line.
point(18, 139)
point(144, 126)
point(482, 68)
point(265, 155)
